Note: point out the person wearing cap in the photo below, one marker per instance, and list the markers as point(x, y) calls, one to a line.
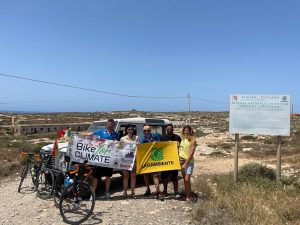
point(149, 137)
point(170, 136)
point(109, 134)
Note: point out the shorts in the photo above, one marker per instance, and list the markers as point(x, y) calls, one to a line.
point(189, 169)
point(172, 173)
point(99, 171)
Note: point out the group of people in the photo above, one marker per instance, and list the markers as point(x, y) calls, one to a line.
point(186, 148)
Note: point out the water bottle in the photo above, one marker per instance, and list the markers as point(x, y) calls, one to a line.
point(32, 172)
point(67, 181)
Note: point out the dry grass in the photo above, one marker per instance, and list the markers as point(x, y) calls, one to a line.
point(10, 148)
point(258, 201)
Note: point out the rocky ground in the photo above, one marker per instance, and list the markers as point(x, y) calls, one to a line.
point(26, 208)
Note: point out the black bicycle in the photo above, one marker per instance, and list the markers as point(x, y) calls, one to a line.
point(45, 178)
point(77, 200)
point(31, 166)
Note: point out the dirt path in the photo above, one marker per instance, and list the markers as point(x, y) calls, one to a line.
point(26, 208)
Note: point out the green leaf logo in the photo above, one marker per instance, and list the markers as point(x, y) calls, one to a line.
point(157, 154)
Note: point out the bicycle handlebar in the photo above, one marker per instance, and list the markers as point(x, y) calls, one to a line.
point(24, 154)
point(86, 168)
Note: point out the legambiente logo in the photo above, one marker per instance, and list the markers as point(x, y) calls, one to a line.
point(157, 154)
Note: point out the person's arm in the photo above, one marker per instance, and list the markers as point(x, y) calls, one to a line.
point(137, 140)
point(191, 153)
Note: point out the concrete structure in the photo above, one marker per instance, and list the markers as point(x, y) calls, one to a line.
point(24, 129)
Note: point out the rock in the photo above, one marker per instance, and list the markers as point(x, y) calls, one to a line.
point(247, 149)
point(187, 209)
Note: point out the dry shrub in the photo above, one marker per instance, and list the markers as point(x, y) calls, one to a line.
point(9, 169)
point(242, 206)
point(202, 185)
point(258, 200)
point(287, 204)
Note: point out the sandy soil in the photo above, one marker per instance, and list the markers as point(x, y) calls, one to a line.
point(26, 208)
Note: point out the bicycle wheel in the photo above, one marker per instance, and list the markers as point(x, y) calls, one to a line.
point(23, 176)
point(59, 188)
point(77, 203)
point(45, 183)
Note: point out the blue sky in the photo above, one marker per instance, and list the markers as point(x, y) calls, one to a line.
point(207, 48)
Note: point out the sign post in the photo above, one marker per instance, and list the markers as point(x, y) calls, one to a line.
point(278, 172)
point(259, 115)
point(236, 157)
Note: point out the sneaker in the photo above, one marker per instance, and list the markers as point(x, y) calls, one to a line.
point(177, 195)
point(147, 193)
point(107, 195)
point(165, 193)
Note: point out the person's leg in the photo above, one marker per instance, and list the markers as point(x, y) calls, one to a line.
point(165, 180)
point(156, 181)
point(107, 183)
point(132, 182)
point(159, 195)
point(174, 179)
point(125, 181)
point(95, 176)
point(108, 175)
point(94, 183)
point(187, 180)
point(147, 183)
point(187, 184)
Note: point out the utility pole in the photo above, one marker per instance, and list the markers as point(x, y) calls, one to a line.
point(189, 100)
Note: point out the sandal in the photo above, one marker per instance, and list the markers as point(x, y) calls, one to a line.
point(147, 193)
point(159, 195)
point(133, 196)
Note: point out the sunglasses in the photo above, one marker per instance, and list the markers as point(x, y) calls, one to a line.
point(146, 130)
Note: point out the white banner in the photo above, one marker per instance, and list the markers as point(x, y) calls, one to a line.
point(100, 152)
point(260, 114)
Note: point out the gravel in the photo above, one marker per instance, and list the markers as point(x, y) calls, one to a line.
point(27, 209)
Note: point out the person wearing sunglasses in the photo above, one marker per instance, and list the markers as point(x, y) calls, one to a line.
point(149, 137)
point(127, 139)
point(165, 175)
point(109, 134)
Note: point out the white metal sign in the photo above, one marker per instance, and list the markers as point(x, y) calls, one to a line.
point(260, 114)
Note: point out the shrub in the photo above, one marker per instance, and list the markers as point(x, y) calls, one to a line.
point(204, 186)
point(257, 170)
point(9, 169)
point(248, 138)
point(248, 202)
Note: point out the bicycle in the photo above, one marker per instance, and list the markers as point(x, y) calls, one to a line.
point(30, 166)
point(77, 200)
point(45, 178)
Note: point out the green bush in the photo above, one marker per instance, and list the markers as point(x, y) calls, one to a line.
point(256, 170)
point(248, 138)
